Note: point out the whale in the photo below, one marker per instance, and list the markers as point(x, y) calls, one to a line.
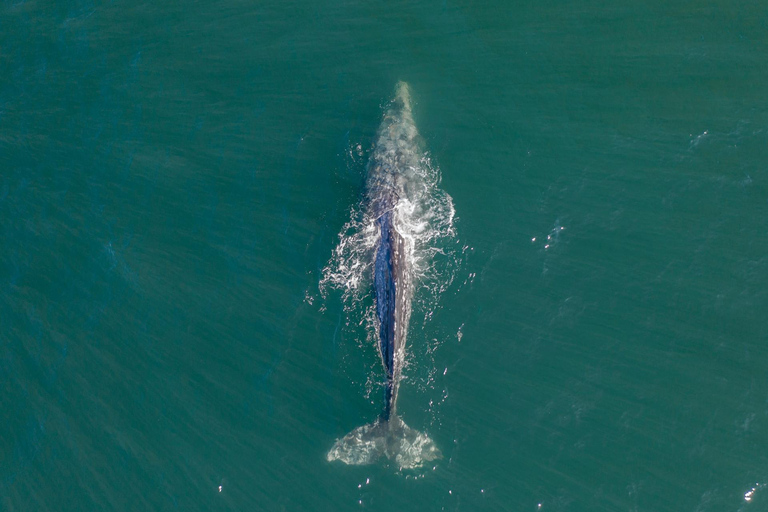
point(394, 158)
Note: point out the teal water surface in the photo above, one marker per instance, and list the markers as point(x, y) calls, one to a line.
point(173, 180)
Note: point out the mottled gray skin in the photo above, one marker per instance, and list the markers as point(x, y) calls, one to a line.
point(392, 164)
point(392, 279)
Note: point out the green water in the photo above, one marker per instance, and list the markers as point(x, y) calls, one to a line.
point(173, 179)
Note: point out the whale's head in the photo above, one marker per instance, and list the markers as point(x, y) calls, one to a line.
point(403, 96)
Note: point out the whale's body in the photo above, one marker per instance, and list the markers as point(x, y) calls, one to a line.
point(393, 160)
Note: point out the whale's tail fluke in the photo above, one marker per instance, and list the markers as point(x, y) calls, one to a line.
point(392, 438)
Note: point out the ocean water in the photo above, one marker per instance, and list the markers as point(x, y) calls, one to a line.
point(174, 181)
